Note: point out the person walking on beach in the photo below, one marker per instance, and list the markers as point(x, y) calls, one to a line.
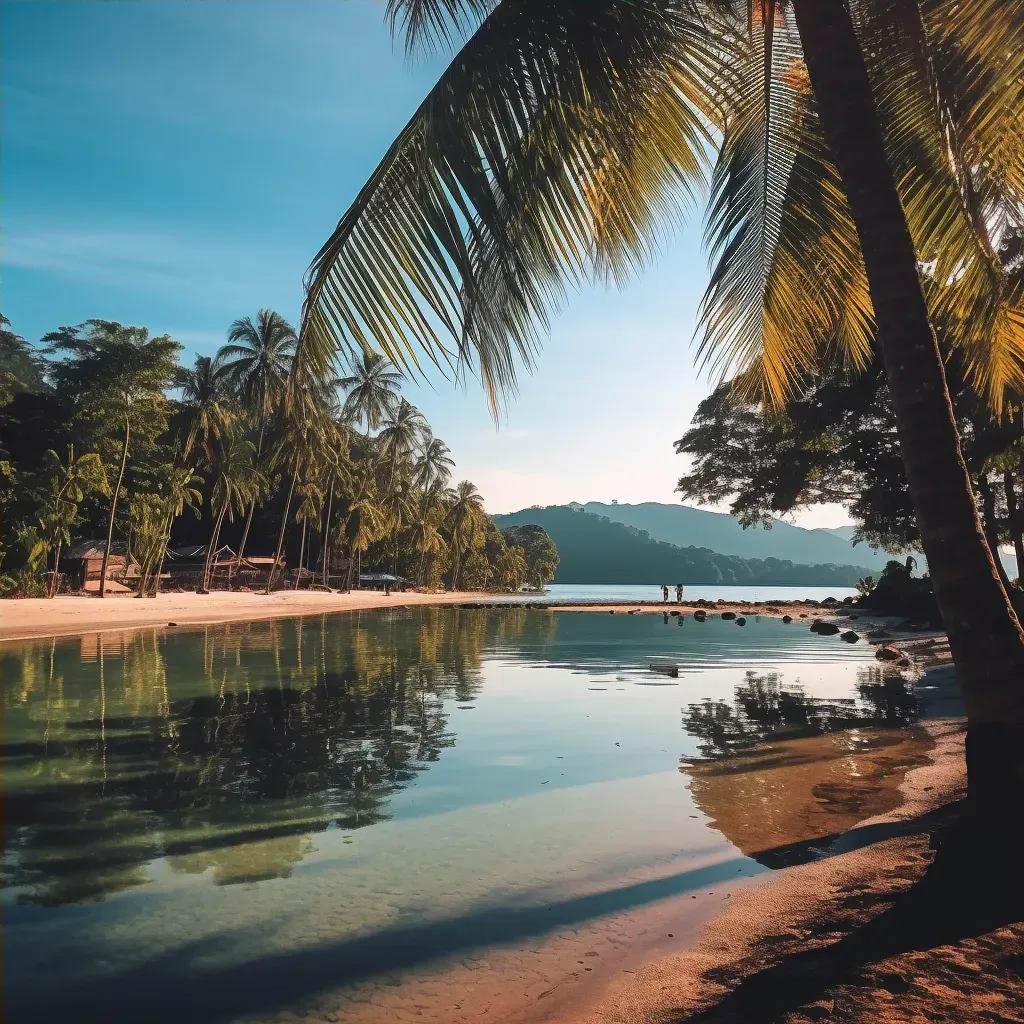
point(664, 592)
point(679, 593)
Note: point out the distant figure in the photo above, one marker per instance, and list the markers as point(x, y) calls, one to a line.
point(679, 593)
point(387, 588)
point(664, 592)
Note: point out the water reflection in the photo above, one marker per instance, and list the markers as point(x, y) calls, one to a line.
point(780, 771)
point(766, 708)
point(222, 748)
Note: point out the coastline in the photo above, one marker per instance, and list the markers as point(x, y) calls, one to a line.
point(67, 615)
point(70, 615)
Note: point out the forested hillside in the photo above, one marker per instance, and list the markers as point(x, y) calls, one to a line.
point(593, 549)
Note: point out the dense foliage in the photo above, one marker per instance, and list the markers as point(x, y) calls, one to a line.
point(104, 436)
point(836, 442)
point(593, 549)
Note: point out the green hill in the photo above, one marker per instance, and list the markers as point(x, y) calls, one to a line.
point(593, 549)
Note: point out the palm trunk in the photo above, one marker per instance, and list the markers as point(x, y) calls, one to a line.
point(281, 533)
point(327, 532)
point(56, 569)
point(985, 637)
point(1016, 533)
point(302, 554)
point(113, 507)
point(252, 504)
point(214, 538)
point(348, 570)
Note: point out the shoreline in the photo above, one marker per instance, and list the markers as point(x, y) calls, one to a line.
point(71, 615)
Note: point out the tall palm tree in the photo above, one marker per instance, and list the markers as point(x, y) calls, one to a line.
point(236, 482)
point(372, 389)
point(465, 520)
point(426, 527)
point(399, 435)
point(433, 466)
point(365, 519)
point(206, 398)
point(179, 489)
point(256, 363)
point(552, 145)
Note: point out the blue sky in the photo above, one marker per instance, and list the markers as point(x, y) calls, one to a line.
point(179, 164)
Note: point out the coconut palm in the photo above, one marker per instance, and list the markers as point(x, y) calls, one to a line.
point(371, 389)
point(399, 436)
point(426, 520)
point(365, 519)
point(237, 482)
point(465, 520)
point(563, 132)
point(207, 400)
point(433, 466)
point(179, 490)
point(256, 363)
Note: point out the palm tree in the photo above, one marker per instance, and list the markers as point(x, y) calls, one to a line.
point(433, 466)
point(372, 389)
point(364, 520)
point(205, 395)
point(465, 521)
point(256, 363)
point(562, 131)
point(236, 482)
point(426, 527)
point(179, 487)
point(399, 435)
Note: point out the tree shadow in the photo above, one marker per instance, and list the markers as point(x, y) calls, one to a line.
point(972, 886)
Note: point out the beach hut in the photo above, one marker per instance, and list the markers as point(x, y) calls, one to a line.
point(82, 563)
point(381, 581)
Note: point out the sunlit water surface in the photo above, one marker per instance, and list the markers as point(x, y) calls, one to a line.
point(233, 822)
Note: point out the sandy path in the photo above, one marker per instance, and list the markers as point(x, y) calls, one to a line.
point(67, 615)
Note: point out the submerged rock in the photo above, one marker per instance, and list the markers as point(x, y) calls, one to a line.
point(850, 636)
point(700, 615)
point(728, 615)
point(787, 619)
point(740, 621)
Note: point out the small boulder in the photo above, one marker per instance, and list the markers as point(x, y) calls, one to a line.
point(728, 615)
point(850, 636)
point(824, 628)
point(879, 634)
point(889, 654)
point(740, 621)
point(787, 619)
point(803, 615)
point(700, 615)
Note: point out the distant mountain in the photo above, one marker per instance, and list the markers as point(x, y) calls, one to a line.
point(594, 549)
point(682, 525)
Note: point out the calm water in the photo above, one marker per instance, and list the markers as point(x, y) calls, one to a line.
point(644, 592)
point(350, 811)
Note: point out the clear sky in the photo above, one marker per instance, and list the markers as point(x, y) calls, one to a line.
point(179, 164)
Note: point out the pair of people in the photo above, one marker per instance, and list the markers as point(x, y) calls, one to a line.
point(679, 593)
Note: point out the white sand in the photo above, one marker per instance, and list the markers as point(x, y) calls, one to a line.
point(65, 615)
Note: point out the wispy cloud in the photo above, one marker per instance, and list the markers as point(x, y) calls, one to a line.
point(209, 272)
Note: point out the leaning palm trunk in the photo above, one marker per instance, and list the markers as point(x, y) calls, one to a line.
point(990, 524)
point(984, 635)
point(56, 569)
point(281, 533)
point(326, 546)
point(302, 554)
point(113, 508)
point(214, 539)
point(255, 497)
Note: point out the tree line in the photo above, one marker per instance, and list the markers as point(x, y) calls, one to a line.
point(103, 433)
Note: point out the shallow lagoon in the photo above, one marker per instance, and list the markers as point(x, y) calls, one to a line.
point(374, 816)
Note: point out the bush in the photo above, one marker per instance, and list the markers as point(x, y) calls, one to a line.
point(22, 584)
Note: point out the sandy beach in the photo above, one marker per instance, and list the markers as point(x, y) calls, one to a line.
point(29, 618)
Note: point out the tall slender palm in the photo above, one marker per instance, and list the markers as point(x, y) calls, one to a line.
point(426, 527)
point(256, 362)
point(465, 520)
point(364, 520)
point(551, 145)
point(179, 488)
point(399, 436)
point(236, 482)
point(371, 389)
point(207, 401)
point(433, 466)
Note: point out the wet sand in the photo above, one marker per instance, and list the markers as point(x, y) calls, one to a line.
point(30, 618)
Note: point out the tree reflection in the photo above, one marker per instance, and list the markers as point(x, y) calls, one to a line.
point(766, 709)
point(222, 748)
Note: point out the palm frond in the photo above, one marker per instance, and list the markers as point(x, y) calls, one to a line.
point(545, 153)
